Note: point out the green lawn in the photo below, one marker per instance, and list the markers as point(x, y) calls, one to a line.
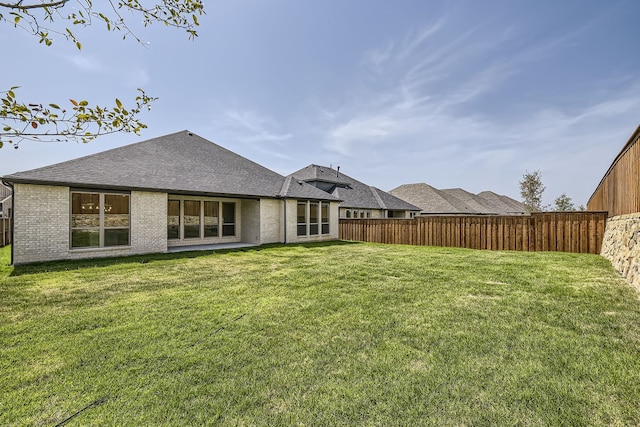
point(327, 334)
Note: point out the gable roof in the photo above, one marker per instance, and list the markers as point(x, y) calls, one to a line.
point(430, 199)
point(181, 162)
point(475, 203)
point(353, 193)
point(508, 205)
point(457, 201)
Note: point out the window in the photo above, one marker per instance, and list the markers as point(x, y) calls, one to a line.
point(173, 219)
point(228, 219)
point(302, 218)
point(191, 219)
point(348, 214)
point(211, 218)
point(325, 217)
point(116, 219)
point(200, 219)
point(313, 218)
point(99, 219)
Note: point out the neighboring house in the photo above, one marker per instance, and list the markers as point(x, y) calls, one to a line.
point(6, 201)
point(359, 200)
point(504, 204)
point(163, 193)
point(456, 201)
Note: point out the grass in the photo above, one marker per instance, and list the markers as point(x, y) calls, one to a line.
point(326, 334)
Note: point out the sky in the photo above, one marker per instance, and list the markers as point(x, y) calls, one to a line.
point(469, 94)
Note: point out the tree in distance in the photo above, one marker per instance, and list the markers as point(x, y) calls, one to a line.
point(531, 190)
point(77, 119)
point(563, 203)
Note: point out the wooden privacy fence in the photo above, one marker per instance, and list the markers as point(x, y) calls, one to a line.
point(579, 232)
point(5, 231)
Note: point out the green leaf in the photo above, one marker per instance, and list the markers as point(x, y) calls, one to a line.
point(54, 106)
point(74, 102)
point(118, 103)
point(78, 45)
point(16, 19)
point(6, 128)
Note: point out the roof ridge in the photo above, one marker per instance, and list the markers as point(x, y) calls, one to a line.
point(377, 197)
point(285, 186)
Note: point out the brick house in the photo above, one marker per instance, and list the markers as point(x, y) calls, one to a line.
point(159, 195)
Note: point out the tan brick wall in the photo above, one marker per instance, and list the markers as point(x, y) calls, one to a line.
point(148, 229)
point(292, 235)
point(42, 225)
point(250, 219)
point(271, 215)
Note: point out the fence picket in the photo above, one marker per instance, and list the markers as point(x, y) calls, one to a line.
point(559, 231)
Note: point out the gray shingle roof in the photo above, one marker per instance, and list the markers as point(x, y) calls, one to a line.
point(353, 193)
point(507, 204)
point(431, 200)
point(475, 203)
point(181, 162)
point(457, 201)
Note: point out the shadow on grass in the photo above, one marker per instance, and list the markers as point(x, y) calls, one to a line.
point(67, 265)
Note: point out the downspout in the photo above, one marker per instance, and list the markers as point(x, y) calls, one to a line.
point(13, 214)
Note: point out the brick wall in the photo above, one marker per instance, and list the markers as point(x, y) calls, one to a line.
point(292, 235)
point(42, 225)
point(271, 230)
point(250, 220)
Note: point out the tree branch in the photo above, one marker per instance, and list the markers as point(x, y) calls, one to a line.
point(19, 5)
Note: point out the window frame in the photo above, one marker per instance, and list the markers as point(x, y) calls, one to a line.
point(206, 222)
point(101, 228)
point(310, 228)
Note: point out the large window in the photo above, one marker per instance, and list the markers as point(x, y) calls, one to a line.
point(173, 219)
point(228, 219)
point(99, 219)
point(200, 218)
point(312, 218)
point(191, 218)
point(211, 219)
point(302, 218)
point(325, 217)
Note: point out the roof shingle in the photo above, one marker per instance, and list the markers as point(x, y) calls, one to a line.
point(181, 162)
point(353, 193)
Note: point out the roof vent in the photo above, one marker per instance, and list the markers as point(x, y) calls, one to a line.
point(300, 182)
point(190, 134)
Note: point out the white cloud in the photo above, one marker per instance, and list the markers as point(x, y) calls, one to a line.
point(421, 111)
point(250, 126)
point(85, 62)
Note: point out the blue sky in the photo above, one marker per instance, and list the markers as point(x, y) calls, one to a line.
point(466, 94)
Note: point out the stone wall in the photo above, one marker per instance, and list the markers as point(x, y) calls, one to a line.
point(621, 246)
